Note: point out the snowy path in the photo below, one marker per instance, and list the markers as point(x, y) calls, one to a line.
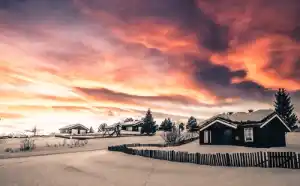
point(117, 169)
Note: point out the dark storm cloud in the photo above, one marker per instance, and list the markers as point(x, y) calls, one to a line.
point(184, 14)
point(39, 11)
point(177, 11)
point(296, 33)
point(7, 4)
point(213, 36)
point(250, 19)
point(217, 74)
point(218, 79)
point(253, 90)
point(106, 94)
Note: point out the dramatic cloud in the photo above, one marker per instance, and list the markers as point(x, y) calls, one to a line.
point(94, 61)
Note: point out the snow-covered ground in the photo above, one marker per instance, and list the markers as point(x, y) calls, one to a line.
point(93, 144)
point(112, 168)
point(117, 169)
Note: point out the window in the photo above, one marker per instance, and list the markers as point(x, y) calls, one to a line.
point(205, 136)
point(248, 134)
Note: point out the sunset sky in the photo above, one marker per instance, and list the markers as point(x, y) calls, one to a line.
point(94, 61)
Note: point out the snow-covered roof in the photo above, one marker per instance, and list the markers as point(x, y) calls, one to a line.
point(132, 123)
point(73, 126)
point(255, 116)
point(238, 118)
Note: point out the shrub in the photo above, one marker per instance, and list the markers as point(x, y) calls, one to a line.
point(172, 137)
point(8, 149)
point(27, 144)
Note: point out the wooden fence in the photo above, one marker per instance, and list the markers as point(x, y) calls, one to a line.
point(289, 160)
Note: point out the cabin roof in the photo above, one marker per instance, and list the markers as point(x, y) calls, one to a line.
point(72, 126)
point(258, 117)
point(248, 117)
point(112, 126)
point(132, 123)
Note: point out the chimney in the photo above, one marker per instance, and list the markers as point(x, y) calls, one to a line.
point(250, 110)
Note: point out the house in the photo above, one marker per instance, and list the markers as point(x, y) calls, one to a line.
point(262, 128)
point(74, 129)
point(132, 125)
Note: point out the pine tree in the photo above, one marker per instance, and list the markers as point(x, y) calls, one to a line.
point(91, 130)
point(284, 107)
point(181, 126)
point(192, 124)
point(149, 124)
point(163, 124)
point(293, 120)
point(169, 125)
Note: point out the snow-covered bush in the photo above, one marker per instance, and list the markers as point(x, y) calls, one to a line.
point(172, 137)
point(176, 136)
point(27, 144)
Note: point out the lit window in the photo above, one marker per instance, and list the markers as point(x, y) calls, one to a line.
point(248, 134)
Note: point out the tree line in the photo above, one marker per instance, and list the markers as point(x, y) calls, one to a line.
point(282, 105)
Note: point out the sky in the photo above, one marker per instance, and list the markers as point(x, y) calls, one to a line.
point(94, 61)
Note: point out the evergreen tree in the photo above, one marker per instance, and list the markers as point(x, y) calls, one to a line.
point(148, 126)
point(169, 125)
point(284, 107)
point(181, 126)
point(192, 124)
point(166, 125)
point(91, 130)
point(163, 124)
point(293, 120)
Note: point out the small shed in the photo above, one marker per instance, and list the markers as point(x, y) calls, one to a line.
point(132, 125)
point(74, 129)
point(262, 128)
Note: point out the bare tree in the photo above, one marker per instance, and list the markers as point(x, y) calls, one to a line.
point(34, 130)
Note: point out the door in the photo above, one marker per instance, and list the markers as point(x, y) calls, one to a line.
point(227, 137)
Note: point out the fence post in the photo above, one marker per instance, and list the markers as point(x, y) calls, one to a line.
point(267, 160)
point(173, 156)
point(228, 163)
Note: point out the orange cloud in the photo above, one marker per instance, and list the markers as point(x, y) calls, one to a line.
point(257, 43)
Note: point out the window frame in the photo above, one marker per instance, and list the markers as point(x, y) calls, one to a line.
point(248, 133)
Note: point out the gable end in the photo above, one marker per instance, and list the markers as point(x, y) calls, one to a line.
point(222, 122)
point(281, 121)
